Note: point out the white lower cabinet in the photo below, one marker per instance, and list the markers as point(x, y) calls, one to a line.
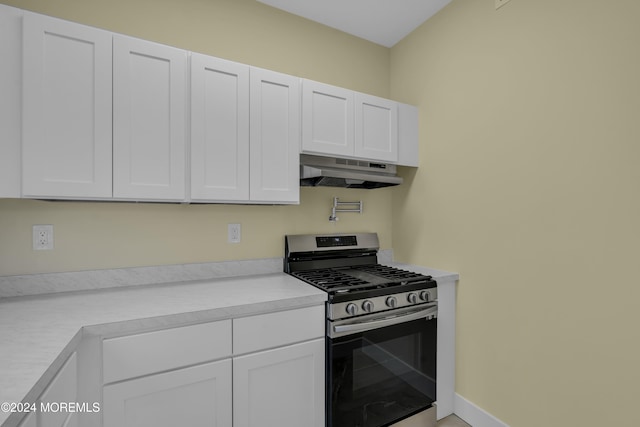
point(265, 370)
point(283, 387)
point(62, 389)
point(278, 369)
point(29, 421)
point(197, 396)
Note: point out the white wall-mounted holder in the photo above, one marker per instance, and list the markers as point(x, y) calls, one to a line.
point(337, 204)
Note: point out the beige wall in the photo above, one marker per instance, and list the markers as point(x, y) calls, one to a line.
point(111, 235)
point(528, 187)
point(91, 236)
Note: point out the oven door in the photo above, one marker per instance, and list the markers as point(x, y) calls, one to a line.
point(379, 376)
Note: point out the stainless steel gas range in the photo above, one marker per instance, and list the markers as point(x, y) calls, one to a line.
point(381, 329)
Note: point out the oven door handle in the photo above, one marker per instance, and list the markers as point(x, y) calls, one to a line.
point(352, 328)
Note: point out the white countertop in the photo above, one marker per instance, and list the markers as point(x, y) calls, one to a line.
point(38, 332)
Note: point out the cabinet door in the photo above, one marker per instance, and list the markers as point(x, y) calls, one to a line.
point(219, 129)
point(327, 119)
point(275, 137)
point(376, 133)
point(149, 141)
point(63, 388)
point(199, 396)
point(67, 109)
point(29, 421)
point(283, 387)
point(11, 100)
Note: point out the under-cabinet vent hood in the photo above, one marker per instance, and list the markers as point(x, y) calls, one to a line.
point(350, 173)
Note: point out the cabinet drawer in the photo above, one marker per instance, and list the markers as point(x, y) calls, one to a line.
point(142, 354)
point(276, 329)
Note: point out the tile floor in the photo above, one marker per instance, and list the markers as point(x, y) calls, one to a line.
point(452, 421)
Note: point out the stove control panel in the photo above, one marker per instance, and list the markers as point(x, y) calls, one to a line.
point(359, 307)
point(336, 241)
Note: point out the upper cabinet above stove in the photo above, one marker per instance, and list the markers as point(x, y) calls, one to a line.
point(340, 122)
point(87, 114)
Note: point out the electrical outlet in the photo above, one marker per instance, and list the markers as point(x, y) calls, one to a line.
point(234, 233)
point(42, 237)
point(500, 3)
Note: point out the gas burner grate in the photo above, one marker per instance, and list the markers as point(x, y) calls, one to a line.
point(330, 280)
point(391, 273)
point(335, 281)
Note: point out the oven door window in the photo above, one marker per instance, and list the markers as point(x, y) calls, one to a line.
point(382, 376)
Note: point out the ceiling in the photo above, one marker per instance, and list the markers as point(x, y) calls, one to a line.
point(384, 22)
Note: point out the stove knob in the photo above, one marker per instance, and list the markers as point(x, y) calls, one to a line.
point(367, 306)
point(412, 298)
point(424, 295)
point(391, 302)
point(352, 309)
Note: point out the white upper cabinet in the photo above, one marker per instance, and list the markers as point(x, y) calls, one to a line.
point(376, 133)
point(66, 130)
point(274, 137)
point(219, 129)
point(245, 133)
point(10, 100)
point(88, 114)
point(343, 123)
point(327, 119)
point(408, 142)
point(149, 122)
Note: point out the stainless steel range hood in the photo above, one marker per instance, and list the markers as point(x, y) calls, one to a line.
point(349, 173)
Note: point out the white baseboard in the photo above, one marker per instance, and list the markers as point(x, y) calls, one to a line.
point(474, 415)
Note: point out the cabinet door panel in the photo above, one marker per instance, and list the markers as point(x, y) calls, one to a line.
point(11, 100)
point(67, 109)
point(149, 95)
point(283, 387)
point(275, 137)
point(219, 129)
point(199, 396)
point(327, 119)
point(29, 421)
point(376, 133)
point(63, 388)
point(408, 137)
